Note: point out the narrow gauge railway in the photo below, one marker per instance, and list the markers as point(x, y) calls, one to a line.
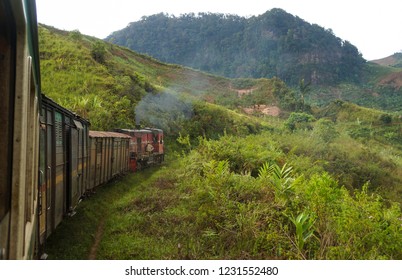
point(49, 158)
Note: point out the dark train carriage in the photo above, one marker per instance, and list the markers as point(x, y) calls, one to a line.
point(63, 163)
point(19, 120)
point(109, 156)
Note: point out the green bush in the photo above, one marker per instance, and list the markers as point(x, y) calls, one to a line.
point(386, 118)
point(299, 121)
point(325, 130)
point(98, 52)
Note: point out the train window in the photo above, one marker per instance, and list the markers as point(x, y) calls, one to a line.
point(7, 66)
point(59, 128)
point(49, 119)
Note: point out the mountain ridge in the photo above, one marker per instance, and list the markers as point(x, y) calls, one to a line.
point(274, 44)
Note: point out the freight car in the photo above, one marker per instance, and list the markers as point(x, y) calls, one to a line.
point(49, 159)
point(109, 156)
point(63, 157)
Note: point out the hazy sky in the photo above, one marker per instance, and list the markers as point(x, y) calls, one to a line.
point(373, 26)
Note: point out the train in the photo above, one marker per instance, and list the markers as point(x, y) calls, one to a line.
point(49, 157)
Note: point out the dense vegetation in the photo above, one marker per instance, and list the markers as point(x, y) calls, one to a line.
point(309, 183)
point(273, 44)
point(381, 89)
point(238, 198)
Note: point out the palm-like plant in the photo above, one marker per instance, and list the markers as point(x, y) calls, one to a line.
point(304, 230)
point(280, 179)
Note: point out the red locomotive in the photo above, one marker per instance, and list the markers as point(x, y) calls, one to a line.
point(146, 147)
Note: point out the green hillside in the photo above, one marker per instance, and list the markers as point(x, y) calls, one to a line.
point(104, 83)
point(381, 88)
point(252, 171)
point(274, 44)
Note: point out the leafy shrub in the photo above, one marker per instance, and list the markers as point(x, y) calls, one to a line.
point(325, 130)
point(299, 121)
point(385, 118)
point(360, 132)
point(98, 52)
point(76, 35)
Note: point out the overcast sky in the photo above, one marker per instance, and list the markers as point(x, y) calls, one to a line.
point(373, 26)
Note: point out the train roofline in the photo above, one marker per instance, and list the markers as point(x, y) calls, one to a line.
point(107, 134)
point(134, 130)
point(47, 100)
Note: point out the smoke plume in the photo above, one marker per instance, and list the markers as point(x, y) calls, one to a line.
point(163, 110)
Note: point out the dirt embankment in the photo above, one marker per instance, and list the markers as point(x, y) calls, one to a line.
point(263, 109)
point(393, 79)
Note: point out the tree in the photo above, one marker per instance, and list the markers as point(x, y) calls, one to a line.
point(76, 35)
point(299, 121)
point(304, 89)
point(325, 129)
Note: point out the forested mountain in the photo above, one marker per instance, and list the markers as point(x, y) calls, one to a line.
point(273, 44)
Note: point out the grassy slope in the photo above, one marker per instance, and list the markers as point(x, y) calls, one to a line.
point(209, 205)
point(79, 232)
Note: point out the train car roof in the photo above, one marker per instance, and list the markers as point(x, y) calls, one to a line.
point(48, 101)
point(107, 134)
point(134, 130)
point(154, 129)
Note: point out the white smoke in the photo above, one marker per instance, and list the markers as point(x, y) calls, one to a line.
point(163, 110)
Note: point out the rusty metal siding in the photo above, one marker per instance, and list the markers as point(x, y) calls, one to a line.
point(114, 154)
